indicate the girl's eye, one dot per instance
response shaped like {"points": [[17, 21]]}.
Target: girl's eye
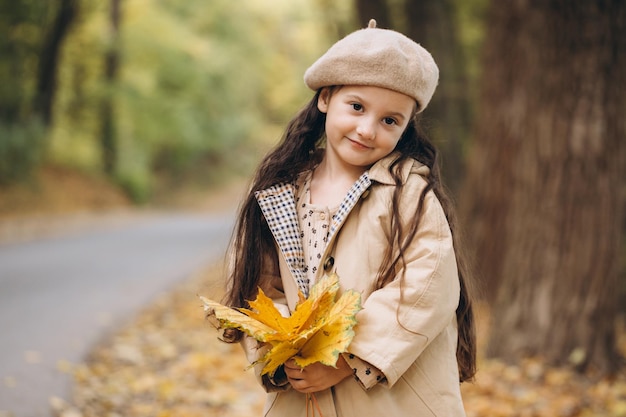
{"points": [[389, 121], [357, 106]]}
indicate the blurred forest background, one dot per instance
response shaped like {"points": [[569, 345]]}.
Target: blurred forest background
{"points": [[149, 93], [151, 96]]}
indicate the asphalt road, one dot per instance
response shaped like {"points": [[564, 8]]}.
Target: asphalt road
{"points": [[59, 296]]}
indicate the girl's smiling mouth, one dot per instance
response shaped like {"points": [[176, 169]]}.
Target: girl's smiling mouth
{"points": [[358, 144]]}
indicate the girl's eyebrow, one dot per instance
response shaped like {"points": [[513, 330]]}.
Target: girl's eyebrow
{"points": [[398, 116], [358, 98]]}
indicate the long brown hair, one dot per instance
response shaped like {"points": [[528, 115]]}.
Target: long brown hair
{"points": [[300, 150]]}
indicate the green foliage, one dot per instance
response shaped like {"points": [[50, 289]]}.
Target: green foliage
{"points": [[20, 150], [21, 31], [133, 174], [21, 136], [197, 81]]}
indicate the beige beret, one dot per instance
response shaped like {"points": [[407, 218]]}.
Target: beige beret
{"points": [[377, 57]]}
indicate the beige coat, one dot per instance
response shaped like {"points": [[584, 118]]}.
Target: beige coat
{"points": [[406, 329]]}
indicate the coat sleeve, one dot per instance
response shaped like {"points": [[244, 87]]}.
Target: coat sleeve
{"points": [[398, 321]]}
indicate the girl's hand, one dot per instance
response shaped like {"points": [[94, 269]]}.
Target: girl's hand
{"points": [[316, 377]]}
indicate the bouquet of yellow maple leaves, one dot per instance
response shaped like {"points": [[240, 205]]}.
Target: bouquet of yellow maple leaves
{"points": [[318, 330]]}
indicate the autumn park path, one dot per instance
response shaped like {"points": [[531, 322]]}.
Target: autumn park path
{"points": [[59, 296]]}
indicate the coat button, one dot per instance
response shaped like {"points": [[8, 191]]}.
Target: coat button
{"points": [[365, 194], [329, 263]]}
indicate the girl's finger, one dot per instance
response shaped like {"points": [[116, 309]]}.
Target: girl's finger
{"points": [[291, 364]]}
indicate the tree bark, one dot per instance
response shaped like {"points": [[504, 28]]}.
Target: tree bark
{"points": [[108, 139], [49, 59], [544, 195], [432, 24]]}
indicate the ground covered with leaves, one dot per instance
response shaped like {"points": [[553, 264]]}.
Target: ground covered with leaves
{"points": [[168, 362]]}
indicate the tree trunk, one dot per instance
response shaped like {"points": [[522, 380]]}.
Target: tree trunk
{"points": [[111, 65], [544, 196], [432, 24], [49, 59]]}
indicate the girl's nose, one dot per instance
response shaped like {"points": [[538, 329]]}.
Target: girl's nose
{"points": [[366, 129]]}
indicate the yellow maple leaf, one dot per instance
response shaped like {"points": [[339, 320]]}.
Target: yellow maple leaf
{"points": [[263, 310], [334, 336], [318, 330], [229, 318]]}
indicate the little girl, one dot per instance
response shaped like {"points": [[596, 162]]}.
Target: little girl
{"points": [[354, 188]]}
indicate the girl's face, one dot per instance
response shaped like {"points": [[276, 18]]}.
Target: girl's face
{"points": [[363, 123]]}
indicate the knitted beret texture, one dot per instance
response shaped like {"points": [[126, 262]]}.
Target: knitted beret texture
{"points": [[377, 57]]}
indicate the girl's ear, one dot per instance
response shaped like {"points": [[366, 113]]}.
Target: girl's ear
{"points": [[323, 100]]}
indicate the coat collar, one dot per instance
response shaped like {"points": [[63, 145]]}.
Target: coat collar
{"points": [[278, 206], [379, 172]]}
